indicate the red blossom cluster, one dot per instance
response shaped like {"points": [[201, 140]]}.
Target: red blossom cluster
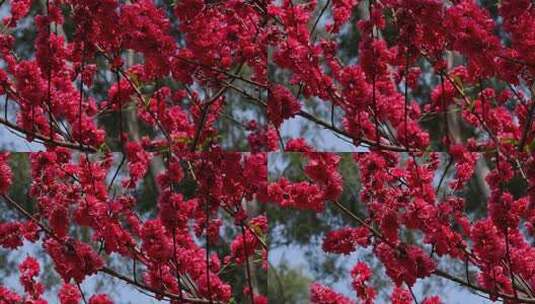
{"points": [[437, 92], [193, 56], [410, 193], [475, 55], [174, 250]]}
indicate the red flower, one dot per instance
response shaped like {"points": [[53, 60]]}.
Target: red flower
{"points": [[320, 294], [401, 296], [11, 235], [74, 259], [5, 173], [100, 299], [281, 105], [69, 294], [345, 240], [29, 269], [361, 273]]}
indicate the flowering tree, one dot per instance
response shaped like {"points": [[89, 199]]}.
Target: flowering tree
{"points": [[154, 82], [117, 92], [411, 216], [420, 76], [415, 73], [144, 64], [178, 254]]}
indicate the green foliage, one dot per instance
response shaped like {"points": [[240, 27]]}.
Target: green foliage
{"points": [[287, 285], [21, 180]]}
